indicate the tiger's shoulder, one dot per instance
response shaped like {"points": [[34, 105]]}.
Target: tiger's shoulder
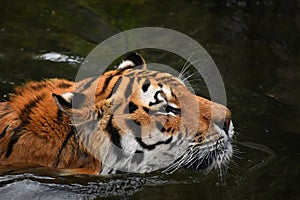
{"points": [[33, 128]]}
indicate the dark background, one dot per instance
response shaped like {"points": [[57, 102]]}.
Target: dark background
{"points": [[255, 45]]}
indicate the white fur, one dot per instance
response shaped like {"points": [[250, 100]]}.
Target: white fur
{"points": [[231, 130], [160, 157], [173, 105], [148, 96], [129, 144], [126, 63], [68, 96]]}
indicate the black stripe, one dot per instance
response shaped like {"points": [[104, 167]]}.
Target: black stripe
{"points": [[5, 109], [38, 86], [137, 123], [132, 107], [173, 95], [160, 85], [167, 80], [154, 74], [146, 85], [143, 73], [25, 117], [113, 133], [59, 115], [17, 133], [64, 85], [89, 83], [4, 132], [176, 111], [28, 107], [106, 83], [99, 114], [115, 88], [138, 79], [139, 73], [157, 101], [72, 131], [160, 127], [13, 140], [152, 146], [134, 73], [147, 110], [137, 129], [128, 90]]}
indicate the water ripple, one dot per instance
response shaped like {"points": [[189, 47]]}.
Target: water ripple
{"points": [[58, 57]]}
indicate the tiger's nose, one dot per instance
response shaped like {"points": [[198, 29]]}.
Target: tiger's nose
{"points": [[226, 125], [216, 113], [223, 118]]}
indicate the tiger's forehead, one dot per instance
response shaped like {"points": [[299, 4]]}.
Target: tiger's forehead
{"points": [[146, 83], [154, 77], [124, 82], [155, 80]]}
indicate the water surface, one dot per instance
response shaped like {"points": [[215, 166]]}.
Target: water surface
{"points": [[255, 45]]}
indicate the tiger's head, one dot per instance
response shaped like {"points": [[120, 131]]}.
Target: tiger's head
{"points": [[137, 120]]}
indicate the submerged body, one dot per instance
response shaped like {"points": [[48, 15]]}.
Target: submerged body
{"points": [[130, 119]]}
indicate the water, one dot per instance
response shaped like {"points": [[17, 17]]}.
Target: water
{"points": [[255, 45]]}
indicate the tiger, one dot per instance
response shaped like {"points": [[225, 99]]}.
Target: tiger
{"points": [[129, 119]]}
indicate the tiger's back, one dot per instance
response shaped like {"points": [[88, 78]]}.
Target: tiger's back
{"points": [[34, 130]]}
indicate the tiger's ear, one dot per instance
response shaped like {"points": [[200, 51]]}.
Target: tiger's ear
{"points": [[69, 101], [133, 60]]}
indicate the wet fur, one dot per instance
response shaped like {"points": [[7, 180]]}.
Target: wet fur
{"points": [[35, 126], [33, 129]]}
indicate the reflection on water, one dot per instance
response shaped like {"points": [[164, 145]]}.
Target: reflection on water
{"points": [[255, 44], [30, 186], [58, 57]]}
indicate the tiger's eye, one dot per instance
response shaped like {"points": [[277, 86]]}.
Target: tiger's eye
{"points": [[176, 111]]}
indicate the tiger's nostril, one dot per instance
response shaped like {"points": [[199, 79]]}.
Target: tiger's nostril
{"points": [[226, 125]]}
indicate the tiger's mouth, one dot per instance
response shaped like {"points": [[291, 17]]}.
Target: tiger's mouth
{"points": [[205, 158], [210, 155], [215, 153]]}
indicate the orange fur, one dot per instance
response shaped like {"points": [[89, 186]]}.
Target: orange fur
{"points": [[31, 116], [35, 128]]}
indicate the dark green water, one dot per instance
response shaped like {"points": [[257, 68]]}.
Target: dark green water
{"points": [[255, 45]]}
